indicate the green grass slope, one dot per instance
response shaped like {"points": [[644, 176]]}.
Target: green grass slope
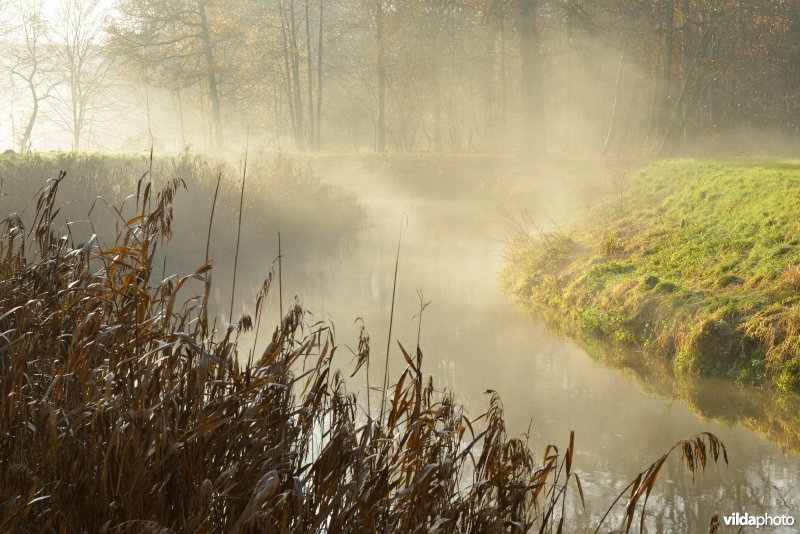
{"points": [[695, 260]]}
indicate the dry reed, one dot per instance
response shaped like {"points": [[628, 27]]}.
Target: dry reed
{"points": [[121, 411]]}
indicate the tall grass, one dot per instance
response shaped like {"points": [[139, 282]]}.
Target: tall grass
{"points": [[282, 193], [122, 410]]}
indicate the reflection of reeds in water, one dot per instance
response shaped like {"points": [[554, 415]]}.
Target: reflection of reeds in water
{"points": [[120, 410], [773, 414]]}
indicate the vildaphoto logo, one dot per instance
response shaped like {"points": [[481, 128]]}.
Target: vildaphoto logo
{"points": [[758, 521]]}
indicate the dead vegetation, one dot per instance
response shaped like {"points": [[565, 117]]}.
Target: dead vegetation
{"points": [[123, 409]]}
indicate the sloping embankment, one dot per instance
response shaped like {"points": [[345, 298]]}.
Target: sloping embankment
{"points": [[698, 261]]}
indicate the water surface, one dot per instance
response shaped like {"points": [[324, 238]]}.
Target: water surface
{"points": [[474, 339]]}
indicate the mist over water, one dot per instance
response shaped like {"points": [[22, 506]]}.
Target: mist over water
{"points": [[473, 340]]}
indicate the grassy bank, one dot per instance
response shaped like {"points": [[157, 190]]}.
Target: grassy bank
{"points": [[698, 261]]}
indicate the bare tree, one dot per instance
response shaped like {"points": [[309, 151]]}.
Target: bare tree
{"points": [[31, 66], [180, 43], [83, 66]]}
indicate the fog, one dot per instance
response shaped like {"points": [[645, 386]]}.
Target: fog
{"points": [[578, 78], [342, 124]]}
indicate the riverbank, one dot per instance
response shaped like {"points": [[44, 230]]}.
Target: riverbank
{"points": [[697, 261], [771, 414]]}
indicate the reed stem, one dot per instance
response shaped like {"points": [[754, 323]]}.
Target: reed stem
{"points": [[280, 278], [391, 317], [239, 228], [211, 220]]}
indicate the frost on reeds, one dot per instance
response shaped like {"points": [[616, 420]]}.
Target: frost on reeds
{"points": [[123, 410]]}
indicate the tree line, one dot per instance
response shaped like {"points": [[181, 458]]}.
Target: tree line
{"points": [[534, 76]]}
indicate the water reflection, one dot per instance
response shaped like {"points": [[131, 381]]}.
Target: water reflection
{"points": [[474, 340]]}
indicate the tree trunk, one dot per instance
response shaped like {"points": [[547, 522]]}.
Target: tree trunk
{"points": [[296, 84], [26, 136], [180, 115], [276, 121], [77, 124], [438, 141], [203, 111], [534, 138], [311, 127], [213, 91], [690, 92], [666, 67], [741, 15], [319, 80], [488, 93], [287, 71], [617, 90], [503, 77], [379, 37], [149, 113], [686, 30]]}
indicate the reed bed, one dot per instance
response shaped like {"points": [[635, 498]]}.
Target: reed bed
{"points": [[123, 409], [283, 193]]}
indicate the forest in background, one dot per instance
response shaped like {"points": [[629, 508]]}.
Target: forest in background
{"points": [[600, 77]]}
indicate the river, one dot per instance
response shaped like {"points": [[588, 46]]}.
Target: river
{"points": [[474, 339]]}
